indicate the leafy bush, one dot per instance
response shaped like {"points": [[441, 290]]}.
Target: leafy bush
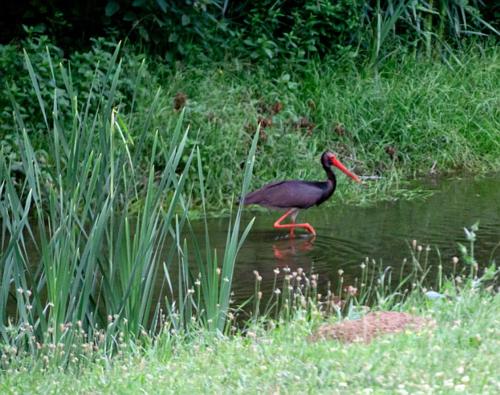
{"points": [[297, 29], [173, 29], [267, 31], [88, 74]]}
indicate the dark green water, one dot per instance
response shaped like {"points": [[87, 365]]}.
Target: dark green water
{"points": [[346, 235]]}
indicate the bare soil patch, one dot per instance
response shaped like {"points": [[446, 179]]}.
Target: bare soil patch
{"points": [[370, 326]]}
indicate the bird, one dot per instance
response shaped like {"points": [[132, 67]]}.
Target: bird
{"points": [[295, 195]]}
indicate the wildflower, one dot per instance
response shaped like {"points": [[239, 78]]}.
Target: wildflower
{"points": [[419, 248], [352, 290], [276, 271], [454, 260], [341, 272], [259, 295], [414, 244], [448, 383], [277, 291], [460, 388]]}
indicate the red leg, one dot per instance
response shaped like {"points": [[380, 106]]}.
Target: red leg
{"points": [[279, 225]]}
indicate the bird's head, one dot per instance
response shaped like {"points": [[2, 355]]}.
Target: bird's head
{"points": [[329, 159]]}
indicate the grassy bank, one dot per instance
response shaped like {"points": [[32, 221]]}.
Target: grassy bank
{"points": [[459, 355], [408, 117], [99, 180]]}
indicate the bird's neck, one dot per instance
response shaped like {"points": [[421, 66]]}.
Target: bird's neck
{"points": [[331, 179]]}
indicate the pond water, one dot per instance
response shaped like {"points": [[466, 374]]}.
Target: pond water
{"points": [[346, 235], [384, 232]]}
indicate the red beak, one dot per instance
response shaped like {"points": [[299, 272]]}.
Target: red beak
{"points": [[335, 162]]}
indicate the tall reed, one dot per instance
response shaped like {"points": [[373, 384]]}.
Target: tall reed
{"points": [[427, 25], [89, 240]]}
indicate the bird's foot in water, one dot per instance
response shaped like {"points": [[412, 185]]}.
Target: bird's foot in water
{"points": [[310, 229]]}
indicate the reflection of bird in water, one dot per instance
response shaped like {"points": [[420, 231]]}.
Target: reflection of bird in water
{"points": [[290, 248], [296, 194]]}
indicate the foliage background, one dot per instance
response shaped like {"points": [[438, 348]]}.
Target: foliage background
{"points": [[365, 78], [259, 30]]}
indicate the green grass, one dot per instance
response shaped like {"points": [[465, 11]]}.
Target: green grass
{"points": [[115, 183], [438, 117], [100, 240], [459, 355], [456, 354]]}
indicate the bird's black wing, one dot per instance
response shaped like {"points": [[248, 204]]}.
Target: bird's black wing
{"points": [[287, 194]]}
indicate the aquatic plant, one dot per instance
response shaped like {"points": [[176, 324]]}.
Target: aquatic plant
{"points": [[89, 244], [379, 287]]}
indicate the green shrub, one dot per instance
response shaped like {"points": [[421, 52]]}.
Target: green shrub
{"points": [[266, 31], [297, 29], [89, 73]]}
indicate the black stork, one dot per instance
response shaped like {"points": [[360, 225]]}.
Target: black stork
{"points": [[294, 195]]}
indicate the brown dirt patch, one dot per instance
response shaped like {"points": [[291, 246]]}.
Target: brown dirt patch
{"points": [[180, 100], [370, 326]]}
